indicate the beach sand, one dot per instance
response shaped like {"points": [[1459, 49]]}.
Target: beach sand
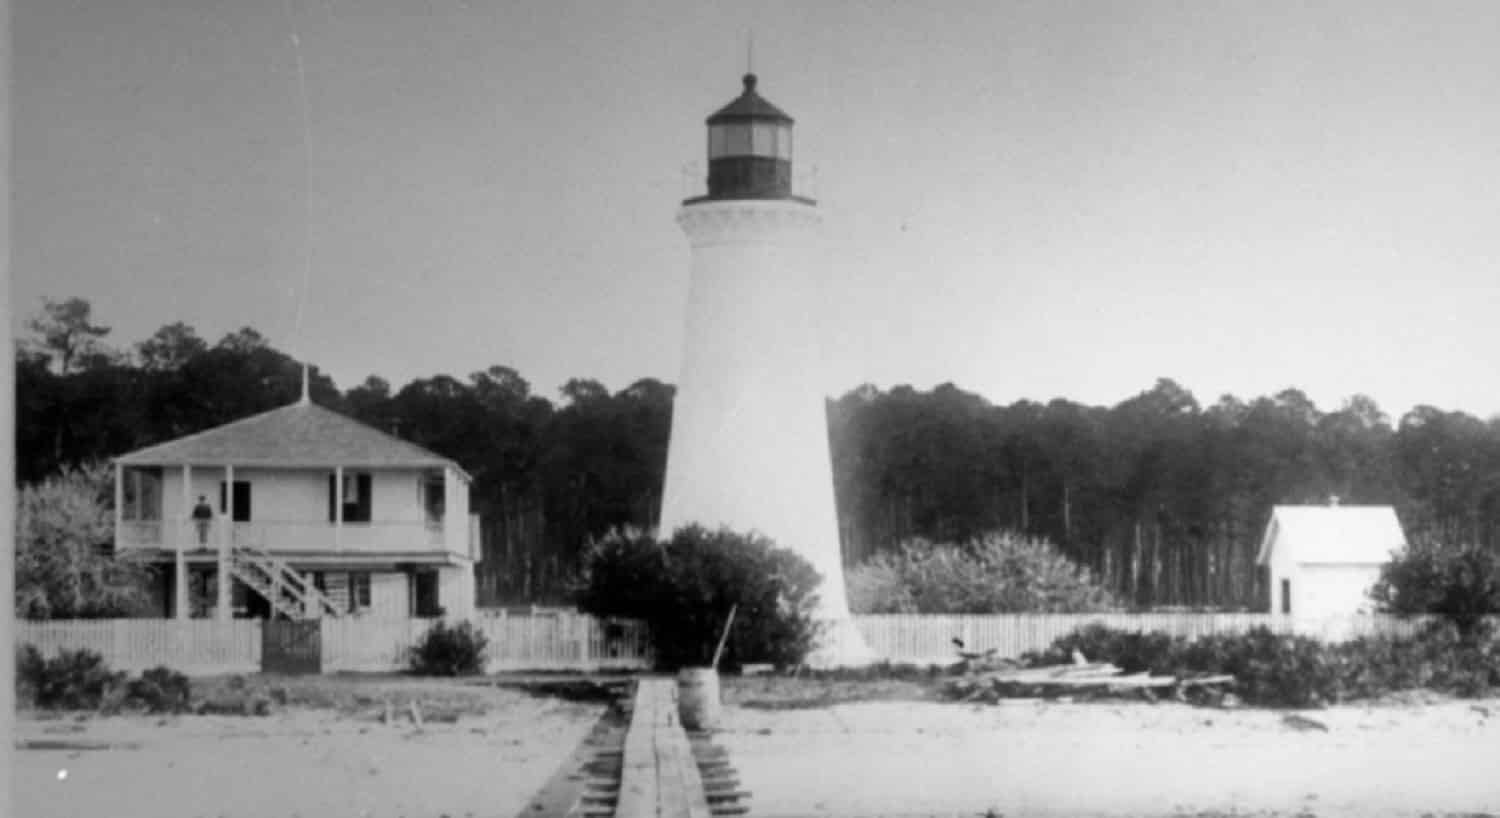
{"points": [[299, 762], [1115, 759]]}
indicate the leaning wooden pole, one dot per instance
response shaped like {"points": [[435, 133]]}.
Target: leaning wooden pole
{"points": [[724, 637]]}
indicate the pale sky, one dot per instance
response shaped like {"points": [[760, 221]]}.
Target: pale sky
{"points": [[1030, 199]]}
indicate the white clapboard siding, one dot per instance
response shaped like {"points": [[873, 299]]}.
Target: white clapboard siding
{"points": [[928, 638], [390, 596], [194, 646]]}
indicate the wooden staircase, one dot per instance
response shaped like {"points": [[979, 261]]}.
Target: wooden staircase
{"points": [[288, 592]]}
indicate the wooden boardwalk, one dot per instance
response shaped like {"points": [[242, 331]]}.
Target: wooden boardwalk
{"points": [[659, 778]]}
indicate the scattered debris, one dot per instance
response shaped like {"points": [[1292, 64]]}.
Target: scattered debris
{"points": [[1296, 721], [416, 713], [235, 703]]}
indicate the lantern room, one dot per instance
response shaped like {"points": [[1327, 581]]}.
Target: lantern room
{"points": [[749, 149]]}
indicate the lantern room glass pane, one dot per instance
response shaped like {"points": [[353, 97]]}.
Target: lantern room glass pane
{"points": [[784, 142], [763, 139], [716, 141], [736, 140]]}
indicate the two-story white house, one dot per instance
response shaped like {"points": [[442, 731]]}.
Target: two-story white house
{"points": [[299, 512]]}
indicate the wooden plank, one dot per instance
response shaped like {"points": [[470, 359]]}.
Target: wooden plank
{"points": [[659, 778]]}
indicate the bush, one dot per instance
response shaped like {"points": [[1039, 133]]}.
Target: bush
{"points": [[878, 586], [683, 588], [71, 680], [1277, 670], [1460, 583], [449, 651], [159, 690], [1000, 572], [1132, 651]]}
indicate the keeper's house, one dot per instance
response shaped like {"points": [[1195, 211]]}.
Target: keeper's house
{"points": [[1324, 560], [312, 514]]}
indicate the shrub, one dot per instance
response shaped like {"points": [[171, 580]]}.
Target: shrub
{"points": [[1279, 670], [1000, 572], [684, 587], [71, 680], [159, 690], [878, 586], [1460, 583], [1132, 651], [446, 650]]}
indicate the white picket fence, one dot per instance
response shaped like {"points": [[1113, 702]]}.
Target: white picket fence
{"points": [[541, 643], [203, 646], [928, 638], [568, 641], [194, 646]]}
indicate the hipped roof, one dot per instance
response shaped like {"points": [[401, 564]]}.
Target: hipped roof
{"points": [[302, 434], [749, 106], [1333, 534]]}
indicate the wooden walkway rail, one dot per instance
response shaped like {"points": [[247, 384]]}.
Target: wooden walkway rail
{"points": [[659, 778]]}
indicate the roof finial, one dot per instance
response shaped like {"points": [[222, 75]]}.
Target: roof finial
{"points": [[306, 391]]}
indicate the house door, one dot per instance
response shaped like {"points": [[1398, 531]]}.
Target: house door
{"points": [[291, 646], [241, 500]]}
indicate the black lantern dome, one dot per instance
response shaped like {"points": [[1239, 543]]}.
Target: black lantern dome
{"points": [[749, 149]]}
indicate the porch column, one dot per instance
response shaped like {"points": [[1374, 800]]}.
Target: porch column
{"points": [[338, 508], [179, 533], [223, 612], [451, 530], [120, 501]]}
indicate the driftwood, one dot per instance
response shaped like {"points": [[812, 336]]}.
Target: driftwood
{"points": [[1004, 682]]}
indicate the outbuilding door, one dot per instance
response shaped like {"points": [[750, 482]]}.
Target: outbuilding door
{"points": [[291, 646]]}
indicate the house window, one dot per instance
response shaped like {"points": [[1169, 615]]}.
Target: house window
{"points": [[355, 495], [1286, 596], [241, 500], [359, 591], [425, 595], [432, 499], [142, 490]]}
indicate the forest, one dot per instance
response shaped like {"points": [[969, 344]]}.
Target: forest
{"points": [[1164, 497]]}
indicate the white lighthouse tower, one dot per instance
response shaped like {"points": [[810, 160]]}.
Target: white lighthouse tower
{"points": [[749, 444]]}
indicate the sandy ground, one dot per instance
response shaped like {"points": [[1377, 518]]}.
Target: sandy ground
{"points": [[300, 762], [1025, 758]]}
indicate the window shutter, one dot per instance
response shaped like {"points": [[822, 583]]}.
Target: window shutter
{"points": [[223, 498], [333, 497]]}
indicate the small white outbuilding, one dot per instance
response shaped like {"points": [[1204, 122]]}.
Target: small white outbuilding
{"points": [[1324, 560]]}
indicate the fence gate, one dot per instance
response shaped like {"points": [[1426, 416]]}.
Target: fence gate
{"points": [[291, 646]]}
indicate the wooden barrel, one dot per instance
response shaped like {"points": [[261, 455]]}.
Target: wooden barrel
{"points": [[698, 697]]}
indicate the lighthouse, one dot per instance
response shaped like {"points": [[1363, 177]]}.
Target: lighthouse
{"points": [[749, 439]]}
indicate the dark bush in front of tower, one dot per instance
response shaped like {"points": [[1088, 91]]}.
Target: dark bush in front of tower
{"points": [[684, 587]]}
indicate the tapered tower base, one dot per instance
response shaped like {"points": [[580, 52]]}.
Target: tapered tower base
{"points": [[749, 442]]}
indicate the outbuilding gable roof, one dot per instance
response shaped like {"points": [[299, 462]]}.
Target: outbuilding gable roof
{"points": [[302, 434], [1333, 534]]}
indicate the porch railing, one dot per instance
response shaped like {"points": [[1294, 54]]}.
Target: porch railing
{"points": [[287, 535]]}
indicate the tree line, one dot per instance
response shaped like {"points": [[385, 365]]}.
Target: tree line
{"points": [[1165, 499]]}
